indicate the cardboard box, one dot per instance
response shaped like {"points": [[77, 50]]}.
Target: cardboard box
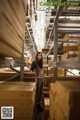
{"points": [[52, 99], [73, 114], [17, 83], [59, 115], [23, 113], [53, 88], [22, 92], [52, 113], [64, 56], [68, 98], [21, 97], [68, 93], [66, 103], [17, 104], [20, 118]]}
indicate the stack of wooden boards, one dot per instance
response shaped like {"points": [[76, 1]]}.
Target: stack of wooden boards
{"points": [[65, 100], [12, 23], [20, 95]]}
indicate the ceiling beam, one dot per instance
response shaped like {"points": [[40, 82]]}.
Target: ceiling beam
{"points": [[68, 31], [69, 25], [67, 12]]}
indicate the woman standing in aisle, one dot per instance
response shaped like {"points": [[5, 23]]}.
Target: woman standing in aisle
{"points": [[37, 67]]}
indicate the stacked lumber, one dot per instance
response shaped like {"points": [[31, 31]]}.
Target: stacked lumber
{"points": [[12, 24]]}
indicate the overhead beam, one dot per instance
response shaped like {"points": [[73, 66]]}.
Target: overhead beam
{"points": [[67, 12], [68, 31], [69, 25]]}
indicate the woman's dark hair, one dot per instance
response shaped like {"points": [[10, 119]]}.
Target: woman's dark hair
{"points": [[39, 62]]}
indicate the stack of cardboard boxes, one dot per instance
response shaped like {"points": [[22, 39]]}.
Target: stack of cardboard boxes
{"points": [[64, 100], [21, 96]]}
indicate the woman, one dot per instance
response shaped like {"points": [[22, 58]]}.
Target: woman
{"points": [[37, 67]]}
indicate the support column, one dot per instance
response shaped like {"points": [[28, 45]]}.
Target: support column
{"points": [[47, 66], [22, 64], [32, 53], [55, 51], [64, 72]]}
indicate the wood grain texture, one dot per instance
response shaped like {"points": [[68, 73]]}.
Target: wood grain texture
{"points": [[12, 27]]}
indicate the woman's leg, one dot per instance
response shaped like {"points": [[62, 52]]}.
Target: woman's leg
{"points": [[39, 91]]}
